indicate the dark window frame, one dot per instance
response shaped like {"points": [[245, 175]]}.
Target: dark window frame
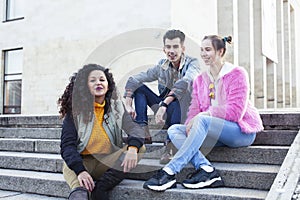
{"points": [[11, 106], [4, 82], [6, 14]]}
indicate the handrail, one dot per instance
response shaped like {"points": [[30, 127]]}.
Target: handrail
{"points": [[288, 176]]}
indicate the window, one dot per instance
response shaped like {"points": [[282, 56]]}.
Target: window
{"points": [[14, 9], [13, 63]]}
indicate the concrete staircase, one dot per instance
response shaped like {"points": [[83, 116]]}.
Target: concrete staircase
{"points": [[30, 161]]}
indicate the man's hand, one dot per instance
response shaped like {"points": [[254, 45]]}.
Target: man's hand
{"points": [[130, 160], [86, 181], [129, 108], [162, 109], [160, 114]]}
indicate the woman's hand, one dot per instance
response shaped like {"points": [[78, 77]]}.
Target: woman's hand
{"points": [[86, 181], [190, 124], [130, 160]]}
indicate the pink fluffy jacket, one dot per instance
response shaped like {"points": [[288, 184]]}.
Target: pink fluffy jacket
{"points": [[232, 97]]}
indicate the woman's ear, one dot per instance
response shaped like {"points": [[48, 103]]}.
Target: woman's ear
{"points": [[221, 52]]}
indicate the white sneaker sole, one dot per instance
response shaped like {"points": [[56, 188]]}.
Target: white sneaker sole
{"points": [[201, 184], [162, 187]]}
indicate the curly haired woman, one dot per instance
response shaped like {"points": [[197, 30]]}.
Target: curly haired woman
{"points": [[95, 159]]}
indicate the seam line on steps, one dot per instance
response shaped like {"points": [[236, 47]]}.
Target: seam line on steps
{"points": [[12, 195]]}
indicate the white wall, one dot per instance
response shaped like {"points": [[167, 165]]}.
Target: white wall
{"points": [[196, 18], [58, 37], [296, 6]]}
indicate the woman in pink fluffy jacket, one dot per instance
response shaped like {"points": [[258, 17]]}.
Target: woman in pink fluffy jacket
{"points": [[220, 114]]}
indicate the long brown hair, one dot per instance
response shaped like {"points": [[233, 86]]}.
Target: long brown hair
{"points": [[77, 98]]}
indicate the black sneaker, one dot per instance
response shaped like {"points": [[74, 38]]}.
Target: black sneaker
{"points": [[202, 179], [161, 181]]}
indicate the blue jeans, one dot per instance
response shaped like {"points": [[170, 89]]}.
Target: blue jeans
{"points": [[206, 132], [144, 97]]}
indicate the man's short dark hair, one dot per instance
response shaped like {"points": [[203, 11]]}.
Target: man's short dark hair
{"points": [[172, 34]]}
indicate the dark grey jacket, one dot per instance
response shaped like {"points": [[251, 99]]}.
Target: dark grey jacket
{"points": [[163, 73]]}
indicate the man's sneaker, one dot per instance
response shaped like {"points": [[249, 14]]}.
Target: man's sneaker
{"points": [[202, 179], [148, 138], [166, 158], [161, 181], [169, 153]]}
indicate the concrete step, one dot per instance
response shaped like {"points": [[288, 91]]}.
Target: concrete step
{"points": [[30, 121], [30, 145], [273, 155], [253, 154], [54, 185], [39, 133], [31, 161], [49, 127], [9, 195], [245, 174], [133, 190], [251, 176], [266, 137], [271, 120], [44, 183], [281, 120], [275, 137]]}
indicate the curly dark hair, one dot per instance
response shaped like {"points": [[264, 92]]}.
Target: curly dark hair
{"points": [[77, 98]]}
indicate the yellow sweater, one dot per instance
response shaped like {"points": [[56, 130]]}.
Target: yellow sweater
{"points": [[99, 142]]}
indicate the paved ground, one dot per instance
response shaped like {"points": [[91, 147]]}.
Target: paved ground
{"points": [[8, 195], [296, 195]]}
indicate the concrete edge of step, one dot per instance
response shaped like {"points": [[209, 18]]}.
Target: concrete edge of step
{"points": [[271, 119], [286, 182], [6, 194], [133, 189]]}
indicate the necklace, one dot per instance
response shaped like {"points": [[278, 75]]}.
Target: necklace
{"points": [[211, 86]]}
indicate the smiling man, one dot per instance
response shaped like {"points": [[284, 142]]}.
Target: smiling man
{"points": [[175, 75]]}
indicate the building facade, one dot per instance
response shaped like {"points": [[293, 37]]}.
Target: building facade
{"points": [[43, 42]]}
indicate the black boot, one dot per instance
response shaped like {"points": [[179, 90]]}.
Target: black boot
{"points": [[106, 182], [79, 193]]}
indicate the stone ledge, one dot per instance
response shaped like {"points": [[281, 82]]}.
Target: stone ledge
{"points": [[51, 184], [30, 145], [9, 195], [34, 133], [133, 190], [287, 178], [252, 176]]}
